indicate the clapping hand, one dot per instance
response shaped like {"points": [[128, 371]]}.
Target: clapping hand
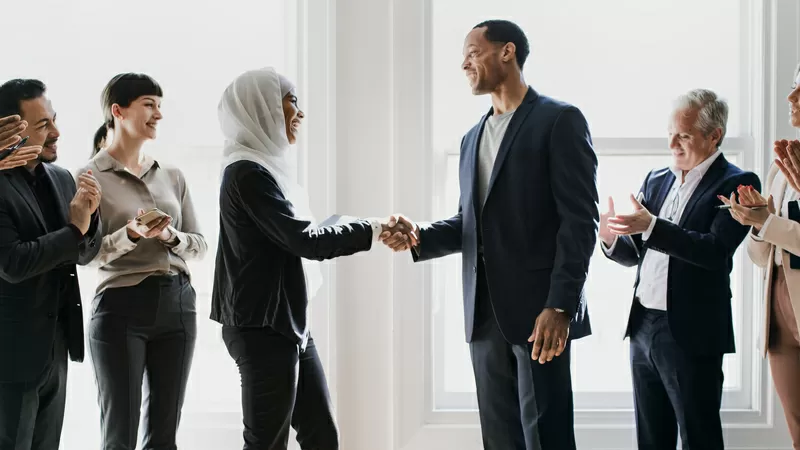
{"points": [[628, 224], [399, 233], [788, 160], [748, 210]]}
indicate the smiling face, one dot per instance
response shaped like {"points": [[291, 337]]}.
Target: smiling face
{"points": [[293, 117], [485, 62], [42, 130], [140, 119], [689, 145], [794, 100]]}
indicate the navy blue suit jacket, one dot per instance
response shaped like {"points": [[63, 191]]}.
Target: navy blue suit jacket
{"points": [[701, 248], [539, 223]]}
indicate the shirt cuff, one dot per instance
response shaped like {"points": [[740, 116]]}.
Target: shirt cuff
{"points": [[646, 234], [761, 233], [175, 242], [377, 228], [120, 240], [609, 250]]}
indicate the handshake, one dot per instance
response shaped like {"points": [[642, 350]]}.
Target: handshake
{"points": [[399, 233]]}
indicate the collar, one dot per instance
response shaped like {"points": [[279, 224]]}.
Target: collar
{"points": [[699, 170], [105, 162], [37, 174]]}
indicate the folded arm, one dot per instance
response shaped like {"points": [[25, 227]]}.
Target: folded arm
{"points": [[712, 250], [21, 260]]}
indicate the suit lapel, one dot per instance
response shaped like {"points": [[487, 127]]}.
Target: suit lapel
{"points": [[661, 195], [58, 194], [716, 170], [24, 190], [511, 132], [781, 192], [474, 148]]}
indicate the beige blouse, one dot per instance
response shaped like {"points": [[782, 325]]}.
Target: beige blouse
{"points": [[122, 262]]}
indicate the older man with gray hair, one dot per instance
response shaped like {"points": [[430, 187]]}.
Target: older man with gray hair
{"points": [[682, 244]]}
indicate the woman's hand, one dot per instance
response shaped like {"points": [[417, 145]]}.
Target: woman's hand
{"points": [[746, 212], [788, 160], [155, 229]]}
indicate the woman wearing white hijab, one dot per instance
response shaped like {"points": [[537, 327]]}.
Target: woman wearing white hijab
{"points": [[264, 279]]}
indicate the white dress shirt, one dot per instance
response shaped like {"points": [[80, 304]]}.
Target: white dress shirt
{"points": [[652, 288]]}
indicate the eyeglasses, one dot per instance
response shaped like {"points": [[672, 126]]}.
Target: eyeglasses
{"points": [[672, 208]]}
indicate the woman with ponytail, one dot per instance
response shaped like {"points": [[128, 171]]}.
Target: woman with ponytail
{"points": [[143, 315]]}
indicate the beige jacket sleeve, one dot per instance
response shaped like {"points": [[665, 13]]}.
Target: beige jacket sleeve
{"points": [[757, 248]]}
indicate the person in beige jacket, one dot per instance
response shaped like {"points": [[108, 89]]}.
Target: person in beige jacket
{"points": [[774, 244]]}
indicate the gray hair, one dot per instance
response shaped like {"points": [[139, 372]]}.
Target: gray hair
{"points": [[712, 111]]}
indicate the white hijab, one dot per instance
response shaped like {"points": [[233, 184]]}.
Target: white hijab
{"points": [[252, 121]]}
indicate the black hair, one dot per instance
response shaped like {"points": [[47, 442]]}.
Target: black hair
{"points": [[14, 92], [122, 90], [503, 32]]}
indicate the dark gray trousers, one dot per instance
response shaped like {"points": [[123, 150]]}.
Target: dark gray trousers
{"points": [[523, 405], [144, 334], [282, 387], [32, 414]]}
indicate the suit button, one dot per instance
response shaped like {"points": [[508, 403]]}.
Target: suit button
{"points": [[474, 269], [51, 315], [72, 274]]}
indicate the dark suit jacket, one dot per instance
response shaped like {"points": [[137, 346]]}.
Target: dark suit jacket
{"points": [[538, 225], [34, 264], [259, 279], [701, 248]]}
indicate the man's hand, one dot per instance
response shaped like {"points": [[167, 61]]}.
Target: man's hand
{"points": [[89, 191], [605, 233], [10, 128], [20, 157], [628, 224], [399, 233], [788, 160], [155, 229], [549, 337]]}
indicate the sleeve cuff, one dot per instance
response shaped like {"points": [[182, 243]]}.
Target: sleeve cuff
{"points": [[376, 228], [78, 235], [646, 234], [763, 231], [120, 240], [609, 250]]}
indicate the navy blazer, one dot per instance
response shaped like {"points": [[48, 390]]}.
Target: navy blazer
{"points": [[33, 265], [701, 248], [539, 222]]}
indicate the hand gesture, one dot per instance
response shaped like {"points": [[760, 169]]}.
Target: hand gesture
{"points": [[155, 229], [89, 191], [20, 157], [744, 210], [399, 233], [788, 161], [605, 233], [627, 224], [10, 128], [549, 337]]}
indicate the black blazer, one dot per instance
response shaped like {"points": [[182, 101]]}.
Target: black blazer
{"points": [[33, 264], [539, 222], [701, 248], [259, 279]]}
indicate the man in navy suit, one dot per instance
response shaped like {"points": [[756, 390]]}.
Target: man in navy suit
{"points": [[526, 227], [680, 322]]}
